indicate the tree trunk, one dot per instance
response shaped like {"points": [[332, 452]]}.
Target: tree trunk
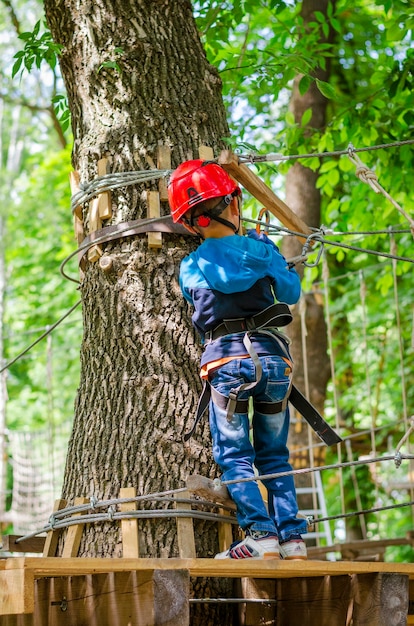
{"points": [[137, 78], [304, 199]]}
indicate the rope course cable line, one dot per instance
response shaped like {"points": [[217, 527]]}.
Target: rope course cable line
{"points": [[42, 336], [115, 180], [57, 519], [255, 158], [368, 176]]}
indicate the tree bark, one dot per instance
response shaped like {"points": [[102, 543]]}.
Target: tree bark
{"points": [[139, 357]]}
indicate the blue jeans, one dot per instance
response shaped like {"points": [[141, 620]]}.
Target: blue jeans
{"points": [[236, 455]]}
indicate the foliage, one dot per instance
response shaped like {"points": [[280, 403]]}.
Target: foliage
{"points": [[37, 296], [37, 48], [260, 48]]}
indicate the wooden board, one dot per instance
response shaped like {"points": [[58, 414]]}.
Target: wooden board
{"points": [[129, 527], [55, 566], [33, 544], [185, 530], [263, 193], [16, 591]]}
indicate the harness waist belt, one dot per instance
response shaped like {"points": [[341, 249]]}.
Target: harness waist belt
{"points": [[275, 315], [295, 397]]}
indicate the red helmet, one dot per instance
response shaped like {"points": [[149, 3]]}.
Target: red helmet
{"points": [[196, 181]]}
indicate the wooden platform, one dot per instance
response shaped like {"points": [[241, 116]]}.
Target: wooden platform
{"points": [[64, 591], [133, 591]]}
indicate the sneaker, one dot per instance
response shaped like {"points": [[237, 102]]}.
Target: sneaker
{"points": [[256, 545], [293, 548]]}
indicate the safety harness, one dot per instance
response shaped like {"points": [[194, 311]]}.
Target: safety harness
{"points": [[266, 323]]}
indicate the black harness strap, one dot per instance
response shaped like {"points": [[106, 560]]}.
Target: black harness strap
{"points": [[295, 397], [275, 315]]}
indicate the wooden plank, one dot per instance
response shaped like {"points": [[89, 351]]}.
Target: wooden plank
{"points": [[50, 545], [125, 598], [263, 193], [358, 546], [253, 614], [323, 601], [206, 153], [54, 566], [95, 223], [74, 181], [225, 532], [206, 488], [129, 527], [163, 163], [74, 534], [185, 530], [153, 201], [9, 543], [16, 592], [171, 598], [104, 198], [380, 599]]}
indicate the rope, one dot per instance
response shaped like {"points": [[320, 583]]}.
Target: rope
{"points": [[251, 158], [325, 276], [45, 334], [364, 512], [304, 334], [307, 470], [368, 176], [113, 181], [56, 520], [398, 456]]}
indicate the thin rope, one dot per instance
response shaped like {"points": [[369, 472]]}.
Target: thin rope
{"points": [[357, 493], [89, 190], [45, 334], [307, 470], [401, 353], [400, 337], [362, 294], [368, 176], [304, 334], [325, 276], [254, 158], [364, 512], [112, 514]]}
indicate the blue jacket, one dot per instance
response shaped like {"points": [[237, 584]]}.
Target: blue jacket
{"points": [[233, 277]]}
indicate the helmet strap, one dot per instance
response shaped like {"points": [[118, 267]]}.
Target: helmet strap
{"points": [[215, 212]]}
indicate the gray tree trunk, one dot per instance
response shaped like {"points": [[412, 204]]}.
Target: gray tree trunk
{"points": [[139, 357]]}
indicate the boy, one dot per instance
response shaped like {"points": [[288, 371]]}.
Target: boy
{"points": [[233, 282]]}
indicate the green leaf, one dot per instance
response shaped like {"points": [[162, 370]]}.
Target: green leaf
{"points": [[326, 89], [306, 117], [304, 84]]}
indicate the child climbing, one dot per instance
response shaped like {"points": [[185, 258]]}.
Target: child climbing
{"points": [[240, 287]]}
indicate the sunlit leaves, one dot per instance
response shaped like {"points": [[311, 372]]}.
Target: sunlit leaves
{"points": [[37, 48]]}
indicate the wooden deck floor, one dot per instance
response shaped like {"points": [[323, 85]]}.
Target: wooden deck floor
{"points": [[38, 590]]}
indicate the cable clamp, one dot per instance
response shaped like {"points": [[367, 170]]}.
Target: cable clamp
{"points": [[111, 512], [93, 501], [398, 459], [217, 484], [52, 521]]}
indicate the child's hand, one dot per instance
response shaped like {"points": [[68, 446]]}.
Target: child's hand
{"points": [[262, 237]]}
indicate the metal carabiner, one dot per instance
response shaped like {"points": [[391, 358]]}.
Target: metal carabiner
{"points": [[263, 213], [305, 250]]}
